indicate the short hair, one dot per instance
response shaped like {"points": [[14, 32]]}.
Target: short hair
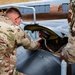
{"points": [[13, 9]]}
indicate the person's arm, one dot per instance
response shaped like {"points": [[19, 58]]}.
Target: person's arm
{"points": [[68, 52], [28, 44], [23, 38]]}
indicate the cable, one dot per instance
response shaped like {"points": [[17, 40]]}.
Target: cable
{"points": [[47, 46]]}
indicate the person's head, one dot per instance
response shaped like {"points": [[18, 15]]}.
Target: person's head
{"points": [[14, 14]]}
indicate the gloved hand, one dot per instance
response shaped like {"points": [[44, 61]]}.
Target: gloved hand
{"points": [[38, 42], [63, 56]]}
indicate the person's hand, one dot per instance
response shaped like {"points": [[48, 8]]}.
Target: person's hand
{"points": [[38, 42], [63, 56]]}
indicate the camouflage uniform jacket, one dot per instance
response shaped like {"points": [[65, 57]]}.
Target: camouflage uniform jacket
{"points": [[11, 35], [69, 50]]}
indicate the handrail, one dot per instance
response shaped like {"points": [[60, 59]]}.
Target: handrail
{"points": [[63, 67], [34, 11]]}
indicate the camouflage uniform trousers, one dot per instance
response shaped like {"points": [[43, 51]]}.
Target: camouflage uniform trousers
{"points": [[7, 64]]}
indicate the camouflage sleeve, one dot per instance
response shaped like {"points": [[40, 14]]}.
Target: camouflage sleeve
{"points": [[23, 38], [69, 50]]}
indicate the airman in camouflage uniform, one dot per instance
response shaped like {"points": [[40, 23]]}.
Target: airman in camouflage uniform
{"points": [[11, 35], [68, 51]]}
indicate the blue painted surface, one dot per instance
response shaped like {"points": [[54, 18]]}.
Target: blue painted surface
{"points": [[40, 62], [55, 2], [58, 26], [43, 6], [39, 9]]}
